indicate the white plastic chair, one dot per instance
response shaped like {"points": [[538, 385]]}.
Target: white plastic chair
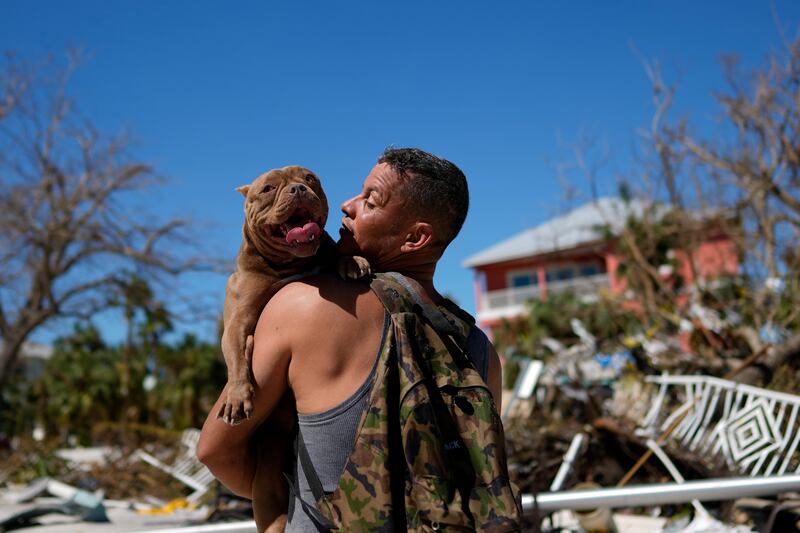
{"points": [[186, 468]]}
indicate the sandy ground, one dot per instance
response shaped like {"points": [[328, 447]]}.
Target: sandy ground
{"points": [[122, 521], [128, 521]]}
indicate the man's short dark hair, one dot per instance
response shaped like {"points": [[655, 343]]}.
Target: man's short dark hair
{"points": [[436, 189]]}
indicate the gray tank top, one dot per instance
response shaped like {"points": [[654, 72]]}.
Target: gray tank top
{"points": [[329, 436]]}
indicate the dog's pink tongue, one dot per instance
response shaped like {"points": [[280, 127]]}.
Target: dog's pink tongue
{"points": [[307, 233]]}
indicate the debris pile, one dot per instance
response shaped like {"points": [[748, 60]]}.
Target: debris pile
{"points": [[591, 410], [136, 479]]}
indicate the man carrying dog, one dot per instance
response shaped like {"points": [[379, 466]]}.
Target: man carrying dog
{"points": [[319, 337]]}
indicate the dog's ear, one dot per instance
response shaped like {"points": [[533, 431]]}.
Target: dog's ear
{"points": [[243, 189]]}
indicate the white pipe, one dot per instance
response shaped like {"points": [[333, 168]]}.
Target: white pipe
{"points": [[642, 495], [663, 493], [61, 490], [529, 373], [673, 470], [566, 463], [228, 527], [531, 377]]}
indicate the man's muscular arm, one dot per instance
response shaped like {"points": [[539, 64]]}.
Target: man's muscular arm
{"points": [[227, 450]]}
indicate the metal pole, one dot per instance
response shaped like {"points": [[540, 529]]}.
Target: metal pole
{"points": [[662, 493], [642, 495], [229, 527]]}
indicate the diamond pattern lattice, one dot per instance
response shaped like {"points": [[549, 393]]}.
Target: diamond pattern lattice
{"points": [[754, 430], [750, 434]]}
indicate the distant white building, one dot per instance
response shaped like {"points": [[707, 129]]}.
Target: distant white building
{"points": [[33, 356]]}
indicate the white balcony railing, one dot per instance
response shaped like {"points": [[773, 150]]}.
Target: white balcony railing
{"points": [[513, 299]]}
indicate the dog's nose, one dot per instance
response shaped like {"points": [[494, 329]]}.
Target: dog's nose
{"points": [[297, 188]]}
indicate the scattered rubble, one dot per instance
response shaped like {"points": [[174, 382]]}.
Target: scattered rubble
{"points": [[111, 482], [588, 411], [600, 391]]}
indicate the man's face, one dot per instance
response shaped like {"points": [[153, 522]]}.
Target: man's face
{"points": [[374, 222]]}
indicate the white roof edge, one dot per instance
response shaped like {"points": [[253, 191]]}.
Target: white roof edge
{"points": [[475, 260], [572, 229]]}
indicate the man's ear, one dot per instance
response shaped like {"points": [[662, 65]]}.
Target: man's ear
{"points": [[419, 236], [243, 189]]}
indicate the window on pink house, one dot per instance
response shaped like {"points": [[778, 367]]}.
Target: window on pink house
{"points": [[589, 270], [524, 280], [560, 274]]}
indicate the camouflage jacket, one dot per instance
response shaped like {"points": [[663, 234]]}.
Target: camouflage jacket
{"points": [[429, 452]]}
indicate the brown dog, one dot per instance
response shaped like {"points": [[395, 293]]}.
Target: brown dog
{"points": [[283, 239], [285, 211]]}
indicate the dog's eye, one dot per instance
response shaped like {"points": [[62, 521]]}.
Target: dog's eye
{"points": [[310, 178], [268, 188]]}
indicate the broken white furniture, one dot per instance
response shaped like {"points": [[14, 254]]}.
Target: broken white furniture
{"points": [[753, 430], [186, 468]]}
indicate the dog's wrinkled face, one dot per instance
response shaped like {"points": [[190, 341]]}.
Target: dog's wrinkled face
{"points": [[285, 212]]}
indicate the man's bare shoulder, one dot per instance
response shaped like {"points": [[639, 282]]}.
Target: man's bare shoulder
{"points": [[314, 296]]}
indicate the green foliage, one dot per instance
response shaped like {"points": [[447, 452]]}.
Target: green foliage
{"points": [[17, 404], [87, 382], [511, 370], [787, 312], [193, 374], [777, 308], [651, 241], [605, 318], [80, 384]]}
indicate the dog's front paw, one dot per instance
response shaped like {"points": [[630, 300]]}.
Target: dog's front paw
{"points": [[238, 404], [353, 267]]}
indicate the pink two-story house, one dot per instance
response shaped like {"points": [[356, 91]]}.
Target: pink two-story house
{"points": [[569, 253]]}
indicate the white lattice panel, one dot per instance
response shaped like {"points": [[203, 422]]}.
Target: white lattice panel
{"points": [[751, 430]]}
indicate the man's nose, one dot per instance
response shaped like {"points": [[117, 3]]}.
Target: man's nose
{"points": [[296, 188], [347, 207]]}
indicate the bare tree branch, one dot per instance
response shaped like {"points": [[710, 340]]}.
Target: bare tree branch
{"points": [[61, 210]]}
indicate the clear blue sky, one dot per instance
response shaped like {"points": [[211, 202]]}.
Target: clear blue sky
{"points": [[217, 92]]}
